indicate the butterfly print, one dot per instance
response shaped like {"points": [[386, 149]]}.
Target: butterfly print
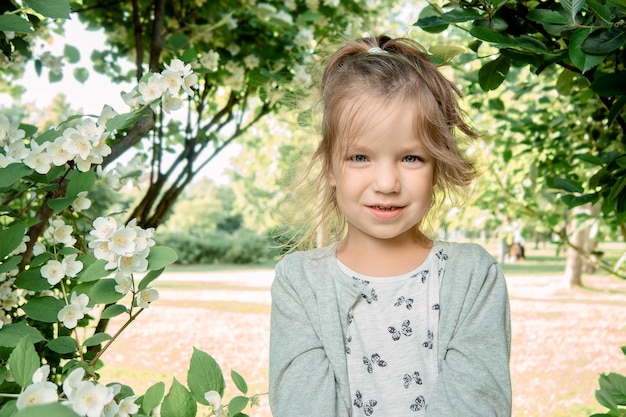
{"points": [[420, 403], [368, 407], [435, 306], [405, 330], [350, 317], [408, 379], [421, 274], [429, 343], [441, 255], [371, 297], [375, 361], [347, 341], [408, 302]]}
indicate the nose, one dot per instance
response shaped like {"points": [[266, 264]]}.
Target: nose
{"points": [[386, 179]]}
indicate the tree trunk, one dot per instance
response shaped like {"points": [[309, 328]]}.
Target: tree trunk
{"points": [[579, 241]]}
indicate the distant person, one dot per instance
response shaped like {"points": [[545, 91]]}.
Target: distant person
{"points": [[386, 321]]}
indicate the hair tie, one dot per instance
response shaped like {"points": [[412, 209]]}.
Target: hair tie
{"points": [[376, 50]]}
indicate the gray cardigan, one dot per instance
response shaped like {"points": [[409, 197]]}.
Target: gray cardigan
{"points": [[308, 374]]}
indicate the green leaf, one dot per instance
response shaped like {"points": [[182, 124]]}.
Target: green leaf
{"points": [[572, 7], [44, 309], [446, 53], [23, 362], [80, 181], [567, 185], [12, 333], [11, 237], [237, 405], [604, 41], [160, 257], [178, 41], [123, 121], [204, 375], [614, 386], [239, 381], [60, 204], [103, 292], [10, 263], [96, 339], [150, 276], [459, 15], [48, 410], [489, 35], [94, 269], [8, 409], [571, 200], [113, 311], [57, 9], [430, 20], [32, 280], [493, 73], [565, 82], [63, 344], [547, 17], [610, 84], [582, 60], [594, 160], [71, 54], [13, 23], [178, 402], [81, 74], [153, 397], [11, 174]]}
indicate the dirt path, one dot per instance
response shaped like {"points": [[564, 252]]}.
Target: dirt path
{"points": [[562, 340]]}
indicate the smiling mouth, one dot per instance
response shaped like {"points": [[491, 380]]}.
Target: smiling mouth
{"points": [[386, 208]]}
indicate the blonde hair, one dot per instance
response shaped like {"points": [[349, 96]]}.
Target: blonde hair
{"points": [[385, 68]]}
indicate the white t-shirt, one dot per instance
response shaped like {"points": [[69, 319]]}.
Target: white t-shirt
{"points": [[391, 340]]}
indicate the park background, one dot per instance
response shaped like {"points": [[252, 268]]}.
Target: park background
{"points": [[543, 81]]}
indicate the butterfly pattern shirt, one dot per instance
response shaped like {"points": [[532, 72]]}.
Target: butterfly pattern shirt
{"points": [[391, 340]]}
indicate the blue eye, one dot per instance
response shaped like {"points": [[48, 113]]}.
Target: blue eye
{"points": [[413, 158], [358, 158]]}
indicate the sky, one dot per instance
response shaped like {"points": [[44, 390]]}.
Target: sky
{"points": [[97, 91]]}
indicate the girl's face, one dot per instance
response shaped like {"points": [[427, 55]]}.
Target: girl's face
{"points": [[383, 176]]}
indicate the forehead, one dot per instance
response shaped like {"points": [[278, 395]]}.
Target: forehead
{"points": [[369, 118]]}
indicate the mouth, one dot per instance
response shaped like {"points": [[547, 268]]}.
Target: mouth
{"points": [[385, 208]]}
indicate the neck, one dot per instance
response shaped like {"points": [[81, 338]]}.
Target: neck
{"points": [[384, 257]]}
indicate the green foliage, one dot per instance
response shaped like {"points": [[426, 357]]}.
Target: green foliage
{"points": [[612, 393], [240, 247]]}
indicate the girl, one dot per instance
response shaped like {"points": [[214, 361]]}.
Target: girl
{"points": [[385, 321]]}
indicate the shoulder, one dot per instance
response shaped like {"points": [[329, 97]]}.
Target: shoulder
{"points": [[308, 268], [467, 254]]}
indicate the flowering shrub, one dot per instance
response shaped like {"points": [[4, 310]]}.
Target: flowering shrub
{"points": [[58, 276]]}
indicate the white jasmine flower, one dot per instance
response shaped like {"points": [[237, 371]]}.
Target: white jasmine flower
{"points": [[106, 114], [72, 382], [170, 102], [251, 61], [90, 398], [147, 296], [17, 150], [302, 77], [232, 24], [234, 49], [82, 202], [210, 60], [152, 89], [104, 227], [331, 3], [76, 144], [214, 399], [39, 393], [58, 153], [38, 158], [127, 406], [284, 16], [124, 283], [188, 82], [111, 409], [132, 98], [39, 248], [81, 301], [177, 66], [101, 249], [173, 81], [304, 38], [71, 266], [131, 264], [59, 232], [53, 272], [123, 241], [70, 314]]}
